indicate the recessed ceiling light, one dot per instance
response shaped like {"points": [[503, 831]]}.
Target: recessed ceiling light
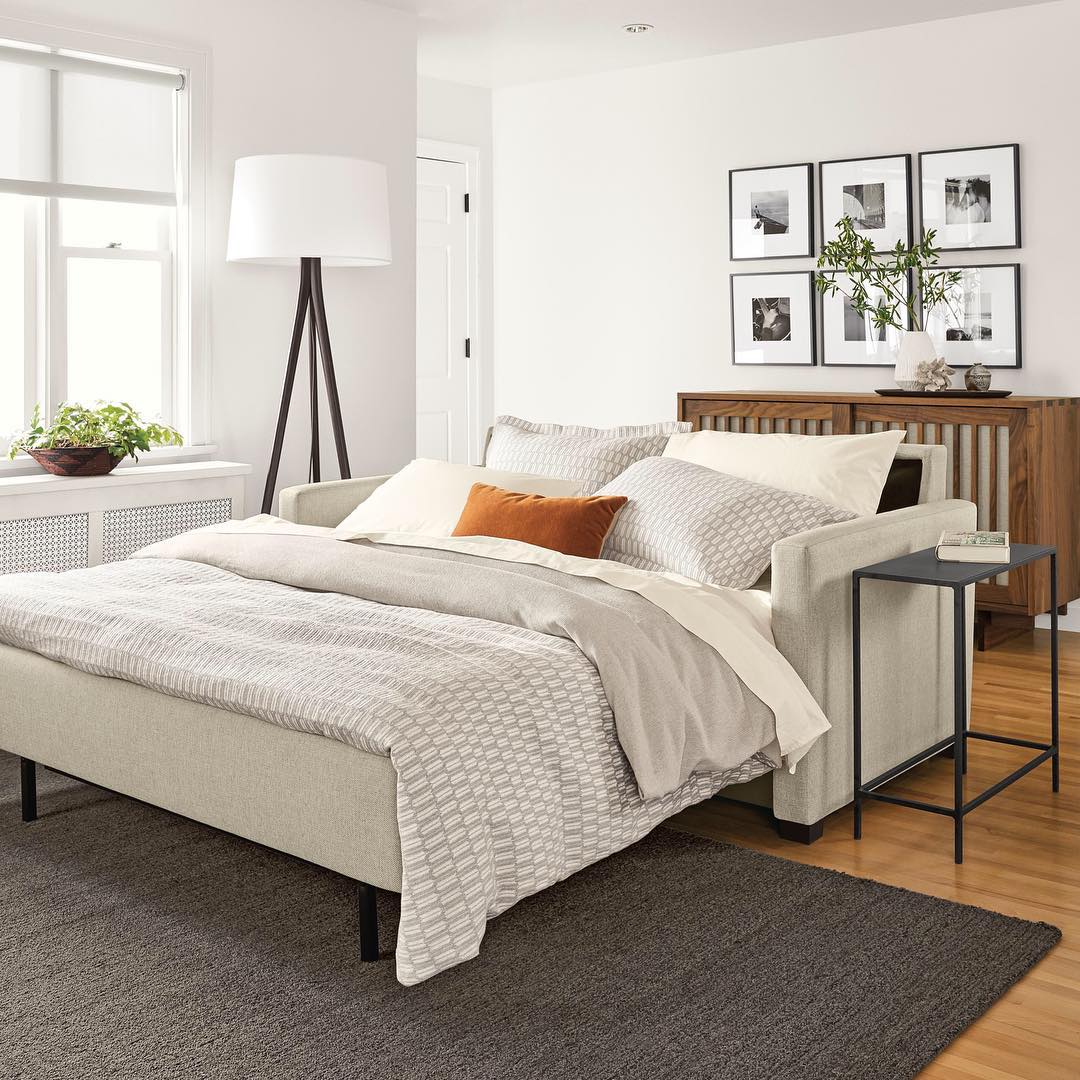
{"points": [[638, 27]]}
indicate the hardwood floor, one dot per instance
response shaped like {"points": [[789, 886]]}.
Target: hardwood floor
{"points": [[1022, 857]]}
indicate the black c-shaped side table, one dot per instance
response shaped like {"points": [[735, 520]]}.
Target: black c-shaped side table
{"points": [[923, 568]]}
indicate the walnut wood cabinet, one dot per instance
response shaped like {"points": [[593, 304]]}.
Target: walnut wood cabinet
{"points": [[1016, 458]]}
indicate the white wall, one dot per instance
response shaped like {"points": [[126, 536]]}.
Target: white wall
{"points": [[611, 237], [457, 113], [322, 76]]}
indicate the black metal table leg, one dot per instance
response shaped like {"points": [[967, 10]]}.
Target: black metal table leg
{"points": [[1055, 763], [959, 720], [28, 781], [369, 921], [856, 697]]}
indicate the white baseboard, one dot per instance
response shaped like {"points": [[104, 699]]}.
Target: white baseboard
{"points": [[1065, 622]]}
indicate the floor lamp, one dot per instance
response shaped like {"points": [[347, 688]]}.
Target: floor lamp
{"points": [[313, 210]]}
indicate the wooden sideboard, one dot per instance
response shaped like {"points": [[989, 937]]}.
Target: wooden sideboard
{"points": [[1016, 458]]}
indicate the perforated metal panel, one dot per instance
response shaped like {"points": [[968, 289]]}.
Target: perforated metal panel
{"points": [[44, 543], [123, 532]]}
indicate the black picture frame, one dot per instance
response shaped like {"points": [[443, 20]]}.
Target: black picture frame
{"points": [[909, 207], [1017, 315], [812, 308], [1016, 205], [809, 252], [823, 344]]}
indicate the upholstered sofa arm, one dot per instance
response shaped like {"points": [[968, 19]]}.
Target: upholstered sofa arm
{"points": [[328, 503], [906, 648]]}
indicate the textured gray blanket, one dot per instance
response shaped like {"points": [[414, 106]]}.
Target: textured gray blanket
{"points": [[489, 684], [673, 696]]}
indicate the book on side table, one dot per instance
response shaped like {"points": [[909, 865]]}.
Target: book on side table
{"points": [[976, 547]]}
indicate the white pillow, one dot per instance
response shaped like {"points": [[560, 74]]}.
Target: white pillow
{"points": [[427, 497], [842, 470]]}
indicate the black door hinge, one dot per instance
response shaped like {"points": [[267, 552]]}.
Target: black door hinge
{"points": [[466, 202], [468, 348]]}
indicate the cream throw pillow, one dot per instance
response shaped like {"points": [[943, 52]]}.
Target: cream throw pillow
{"points": [[427, 497], [843, 470]]}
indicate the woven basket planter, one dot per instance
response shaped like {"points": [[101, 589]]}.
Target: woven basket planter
{"points": [[76, 460]]}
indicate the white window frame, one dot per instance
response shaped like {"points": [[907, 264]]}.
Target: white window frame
{"points": [[187, 393]]}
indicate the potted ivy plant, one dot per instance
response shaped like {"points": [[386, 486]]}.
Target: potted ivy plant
{"points": [[83, 441], [878, 289]]}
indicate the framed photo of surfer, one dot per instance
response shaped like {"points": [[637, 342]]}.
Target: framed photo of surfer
{"points": [[771, 212], [874, 192], [972, 197], [772, 319]]}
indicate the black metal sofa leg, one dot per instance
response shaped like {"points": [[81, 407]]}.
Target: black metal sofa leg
{"points": [[798, 832], [28, 776], [369, 921]]}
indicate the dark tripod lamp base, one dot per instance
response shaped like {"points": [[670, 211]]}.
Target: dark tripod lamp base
{"points": [[310, 312]]}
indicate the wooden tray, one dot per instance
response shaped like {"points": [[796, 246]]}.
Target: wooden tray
{"points": [[943, 393]]}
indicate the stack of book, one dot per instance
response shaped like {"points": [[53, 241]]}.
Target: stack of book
{"points": [[978, 547]]}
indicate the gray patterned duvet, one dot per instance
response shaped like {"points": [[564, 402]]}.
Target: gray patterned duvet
{"points": [[489, 684]]}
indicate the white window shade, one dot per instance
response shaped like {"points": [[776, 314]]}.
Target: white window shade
{"points": [[115, 133], [75, 127], [24, 122]]}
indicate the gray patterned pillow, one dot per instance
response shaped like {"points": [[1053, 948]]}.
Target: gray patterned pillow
{"points": [[705, 524], [591, 456]]}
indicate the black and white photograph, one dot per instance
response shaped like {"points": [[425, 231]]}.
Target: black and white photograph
{"points": [[875, 193], [865, 205], [967, 200], [773, 319], [975, 316], [849, 339], [979, 320], [971, 198], [860, 327], [771, 213]]}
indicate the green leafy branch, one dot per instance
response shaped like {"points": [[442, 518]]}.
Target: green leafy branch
{"points": [[886, 273], [114, 424]]}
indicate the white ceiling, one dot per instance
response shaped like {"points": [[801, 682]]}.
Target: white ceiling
{"points": [[503, 42]]}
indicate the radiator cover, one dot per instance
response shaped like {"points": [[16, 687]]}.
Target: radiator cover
{"points": [[123, 532], [54, 543], [53, 524]]}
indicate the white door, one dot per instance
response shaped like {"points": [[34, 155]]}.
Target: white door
{"points": [[443, 423]]}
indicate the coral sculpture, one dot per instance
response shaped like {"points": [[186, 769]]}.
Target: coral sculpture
{"points": [[933, 375]]}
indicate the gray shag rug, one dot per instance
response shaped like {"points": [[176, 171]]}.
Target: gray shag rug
{"points": [[137, 945]]}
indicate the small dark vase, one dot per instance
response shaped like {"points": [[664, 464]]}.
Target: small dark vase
{"points": [[977, 378], [76, 460]]}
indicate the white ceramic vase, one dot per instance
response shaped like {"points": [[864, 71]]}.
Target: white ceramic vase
{"points": [[916, 346]]}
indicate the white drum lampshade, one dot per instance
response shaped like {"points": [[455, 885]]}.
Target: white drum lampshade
{"points": [[287, 207]]}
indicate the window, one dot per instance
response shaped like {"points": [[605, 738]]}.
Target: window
{"points": [[94, 259]]}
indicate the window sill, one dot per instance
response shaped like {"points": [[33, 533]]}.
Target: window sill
{"points": [[42, 482], [163, 455]]}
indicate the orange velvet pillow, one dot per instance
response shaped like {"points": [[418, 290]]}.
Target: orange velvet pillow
{"points": [[572, 526]]}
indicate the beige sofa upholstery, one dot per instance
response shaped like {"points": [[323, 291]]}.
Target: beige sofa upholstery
{"points": [[307, 795], [906, 629]]}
